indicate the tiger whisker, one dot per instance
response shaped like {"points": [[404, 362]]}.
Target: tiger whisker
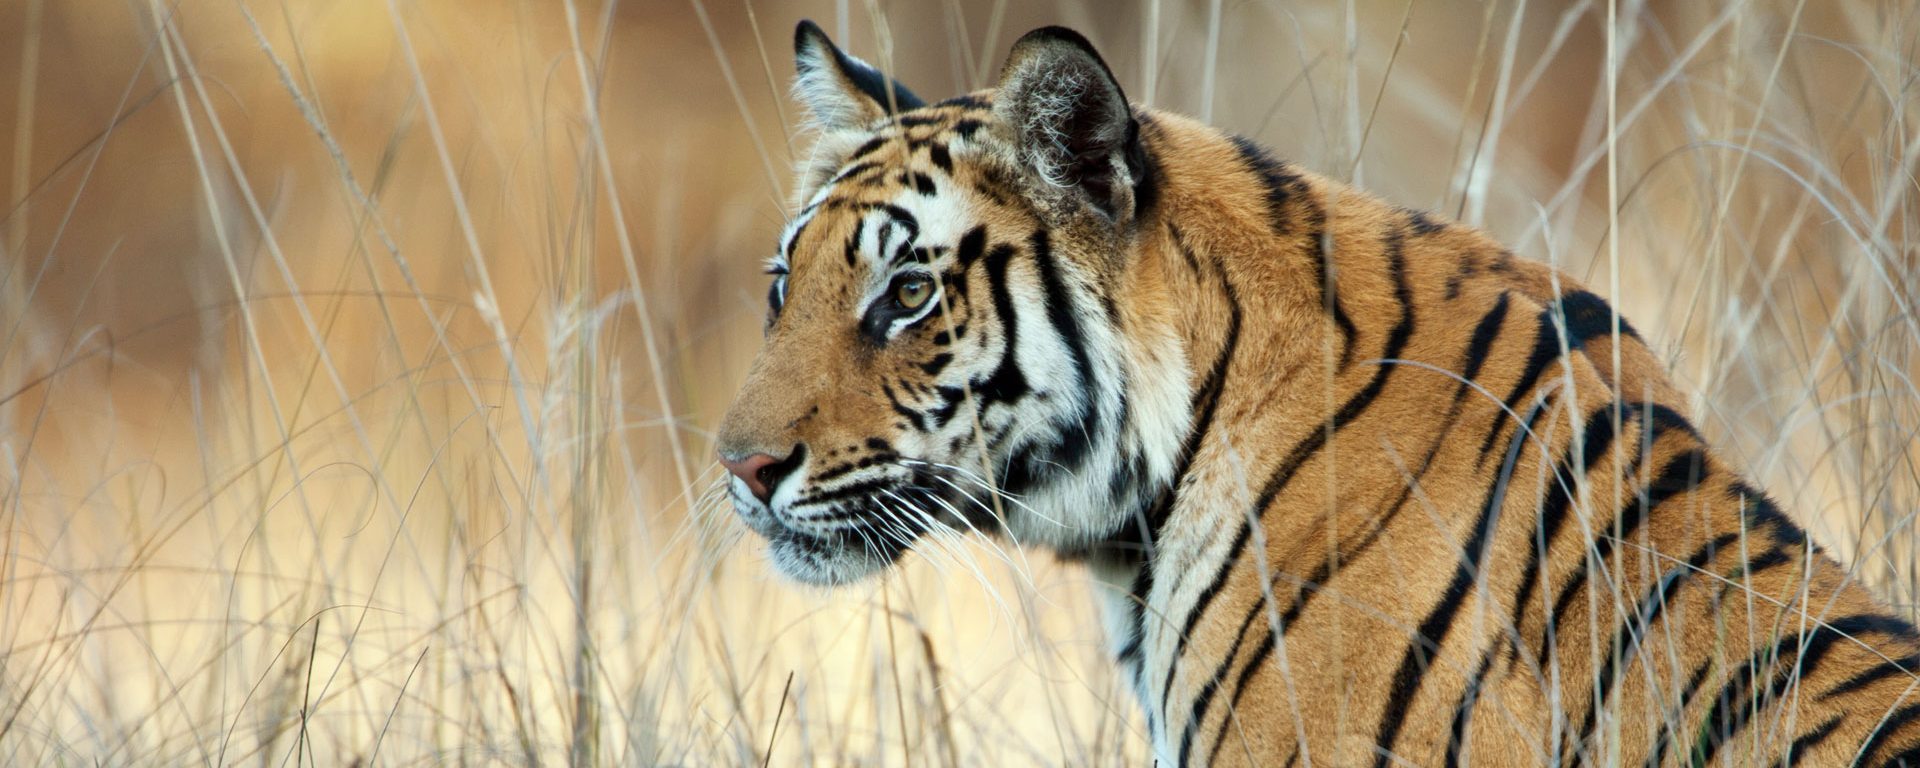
{"points": [[948, 538], [935, 521]]}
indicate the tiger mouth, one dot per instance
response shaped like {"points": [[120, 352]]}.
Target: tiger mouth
{"points": [[835, 535], [896, 504], [842, 543], [834, 557]]}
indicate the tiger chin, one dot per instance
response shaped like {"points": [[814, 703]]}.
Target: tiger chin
{"points": [[1364, 487]]}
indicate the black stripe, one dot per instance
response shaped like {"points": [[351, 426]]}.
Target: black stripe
{"points": [[1006, 384], [951, 397], [1303, 596], [1680, 474], [1308, 446], [1768, 559], [1204, 698], [1283, 185], [854, 170], [1205, 404], [1071, 451], [924, 255], [1809, 740], [1439, 621], [914, 418], [1908, 758], [1598, 438], [794, 242], [1129, 658], [775, 299], [1663, 419], [1422, 223], [1764, 514], [900, 216], [965, 101], [1205, 599], [1207, 401], [1886, 731], [941, 158], [1725, 721], [1906, 665], [905, 253], [1732, 708], [834, 472], [972, 246], [1585, 316], [852, 249], [1254, 662], [1326, 280], [867, 148], [860, 489], [1144, 165], [1823, 638], [1486, 332], [1463, 711], [1466, 266], [1354, 406], [1673, 716], [1633, 630]]}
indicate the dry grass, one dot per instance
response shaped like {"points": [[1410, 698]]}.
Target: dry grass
{"points": [[356, 358]]}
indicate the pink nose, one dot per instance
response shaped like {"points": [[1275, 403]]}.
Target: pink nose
{"points": [[760, 472]]}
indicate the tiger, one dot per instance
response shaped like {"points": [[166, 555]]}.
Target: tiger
{"points": [[1357, 484]]}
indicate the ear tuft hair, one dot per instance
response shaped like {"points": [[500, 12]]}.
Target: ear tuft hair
{"points": [[841, 91], [1074, 126]]}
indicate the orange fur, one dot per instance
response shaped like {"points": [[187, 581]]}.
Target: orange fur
{"points": [[1389, 413]]}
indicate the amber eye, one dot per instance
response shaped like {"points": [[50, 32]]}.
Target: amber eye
{"points": [[911, 293]]}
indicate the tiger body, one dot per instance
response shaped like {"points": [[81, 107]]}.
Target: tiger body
{"points": [[1362, 486]]}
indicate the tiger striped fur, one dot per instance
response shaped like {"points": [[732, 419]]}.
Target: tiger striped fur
{"points": [[1364, 487]]}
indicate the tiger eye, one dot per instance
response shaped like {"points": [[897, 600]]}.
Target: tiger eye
{"points": [[913, 292]]}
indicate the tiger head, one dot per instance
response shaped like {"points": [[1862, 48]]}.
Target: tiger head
{"points": [[947, 346]]}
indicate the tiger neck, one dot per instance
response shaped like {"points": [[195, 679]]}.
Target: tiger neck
{"points": [[1236, 288], [1218, 287]]}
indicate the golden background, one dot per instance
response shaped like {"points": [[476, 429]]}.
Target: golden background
{"points": [[358, 358]]}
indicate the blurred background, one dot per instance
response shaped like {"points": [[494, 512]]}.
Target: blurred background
{"points": [[358, 358]]}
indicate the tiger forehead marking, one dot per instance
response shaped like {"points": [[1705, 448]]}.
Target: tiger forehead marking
{"points": [[896, 192], [1361, 485]]}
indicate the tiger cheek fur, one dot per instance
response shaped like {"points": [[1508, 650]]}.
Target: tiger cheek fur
{"points": [[1362, 486]]}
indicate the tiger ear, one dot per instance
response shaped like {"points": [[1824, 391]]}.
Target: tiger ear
{"points": [[839, 90], [1074, 127]]}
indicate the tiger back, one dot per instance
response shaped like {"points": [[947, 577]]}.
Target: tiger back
{"points": [[1361, 485]]}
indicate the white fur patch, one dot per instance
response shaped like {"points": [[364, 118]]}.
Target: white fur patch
{"points": [[1049, 107], [832, 103]]}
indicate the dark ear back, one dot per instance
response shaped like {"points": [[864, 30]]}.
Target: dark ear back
{"points": [[1072, 122], [839, 90]]}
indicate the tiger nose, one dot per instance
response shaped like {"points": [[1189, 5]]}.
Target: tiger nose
{"points": [[761, 472]]}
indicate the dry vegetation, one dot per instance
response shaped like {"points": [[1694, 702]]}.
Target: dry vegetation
{"points": [[356, 367]]}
